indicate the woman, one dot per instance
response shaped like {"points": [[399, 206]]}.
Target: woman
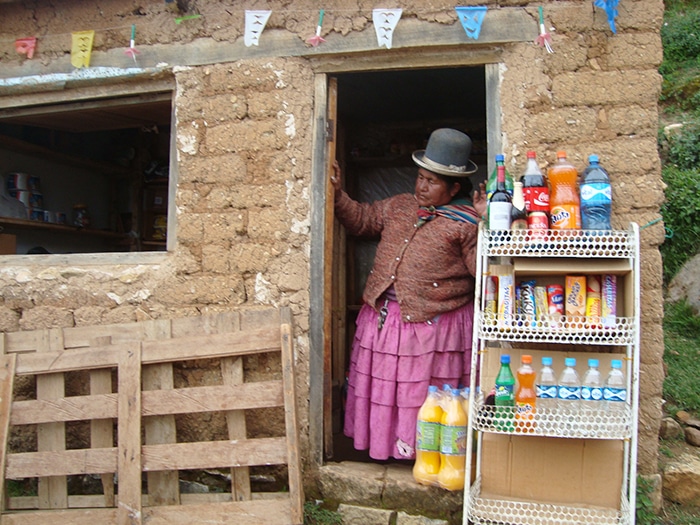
{"points": [[414, 328]]}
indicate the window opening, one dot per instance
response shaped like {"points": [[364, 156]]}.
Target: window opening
{"points": [[86, 177], [382, 118]]}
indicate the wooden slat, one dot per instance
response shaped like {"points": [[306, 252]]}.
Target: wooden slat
{"points": [[296, 493], [7, 377], [256, 512], [69, 360], [232, 374], [74, 408], [102, 425], [213, 454], [61, 463], [62, 517], [260, 394], [129, 438]]}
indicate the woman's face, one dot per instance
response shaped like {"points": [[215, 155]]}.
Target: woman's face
{"points": [[432, 190]]}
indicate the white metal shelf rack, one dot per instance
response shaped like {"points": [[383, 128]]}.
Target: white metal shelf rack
{"points": [[623, 332]]}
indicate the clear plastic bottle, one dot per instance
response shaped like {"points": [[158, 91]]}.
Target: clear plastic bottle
{"points": [[592, 387], [427, 465], [596, 196], [569, 387], [615, 388], [525, 396], [546, 386], [453, 444], [564, 202]]}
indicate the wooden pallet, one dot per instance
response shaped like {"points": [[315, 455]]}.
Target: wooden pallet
{"points": [[143, 410]]}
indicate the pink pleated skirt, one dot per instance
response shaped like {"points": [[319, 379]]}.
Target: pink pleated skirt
{"points": [[391, 369]]}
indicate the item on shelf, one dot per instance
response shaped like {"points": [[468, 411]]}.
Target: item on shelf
{"points": [[555, 302], [615, 388], [427, 465], [160, 228], [491, 295], [564, 203], [81, 216], [504, 398], [592, 386], [546, 386], [60, 217], [575, 296], [17, 181], [453, 444], [518, 215], [525, 396], [492, 181], [569, 387], [593, 300], [596, 196], [608, 300], [535, 187], [541, 306], [36, 214], [22, 196], [527, 305], [506, 300], [500, 203]]}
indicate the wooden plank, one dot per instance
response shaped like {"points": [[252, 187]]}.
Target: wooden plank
{"points": [[62, 517], [7, 377], [74, 408], [256, 512], [213, 454], [129, 437], [70, 360], [296, 491], [260, 394], [61, 463], [102, 428], [232, 374], [205, 324]]}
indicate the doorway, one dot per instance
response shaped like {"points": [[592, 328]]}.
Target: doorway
{"points": [[382, 118]]}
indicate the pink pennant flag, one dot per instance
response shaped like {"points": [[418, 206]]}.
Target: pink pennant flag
{"points": [[26, 46]]}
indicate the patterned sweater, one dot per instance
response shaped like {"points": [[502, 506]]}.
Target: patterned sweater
{"points": [[432, 267]]}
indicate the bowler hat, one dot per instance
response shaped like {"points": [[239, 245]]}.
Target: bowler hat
{"points": [[447, 153]]}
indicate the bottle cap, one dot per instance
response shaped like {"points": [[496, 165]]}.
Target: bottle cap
{"points": [[432, 389], [593, 363], [527, 359], [616, 363], [570, 361], [547, 361], [531, 154], [505, 359], [593, 158], [561, 154], [500, 158]]}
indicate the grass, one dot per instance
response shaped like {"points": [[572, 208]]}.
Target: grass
{"points": [[682, 358]]}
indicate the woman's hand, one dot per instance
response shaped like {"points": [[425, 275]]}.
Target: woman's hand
{"points": [[479, 200], [336, 179]]}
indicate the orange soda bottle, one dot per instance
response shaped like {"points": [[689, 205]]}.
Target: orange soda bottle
{"points": [[525, 396], [427, 465], [564, 203], [453, 444]]}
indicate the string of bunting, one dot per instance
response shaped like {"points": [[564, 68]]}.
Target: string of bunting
{"points": [[385, 22]]}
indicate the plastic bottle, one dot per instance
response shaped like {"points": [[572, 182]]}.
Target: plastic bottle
{"points": [[615, 388], [596, 196], [427, 465], [569, 387], [564, 204], [525, 396], [505, 396], [500, 204], [453, 444], [592, 387], [535, 188], [546, 386], [518, 215], [493, 178]]}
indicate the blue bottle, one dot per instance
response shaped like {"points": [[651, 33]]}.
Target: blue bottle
{"points": [[596, 196]]}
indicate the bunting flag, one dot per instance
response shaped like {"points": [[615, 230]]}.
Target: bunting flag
{"points": [[610, 7], [385, 21], [131, 50], [254, 25], [317, 39], [81, 48], [544, 39], [26, 46], [471, 18]]}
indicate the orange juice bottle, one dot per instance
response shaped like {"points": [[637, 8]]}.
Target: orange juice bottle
{"points": [[453, 444], [564, 203], [525, 396], [427, 465]]}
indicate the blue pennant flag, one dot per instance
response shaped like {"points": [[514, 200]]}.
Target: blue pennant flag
{"points": [[471, 18], [610, 10]]}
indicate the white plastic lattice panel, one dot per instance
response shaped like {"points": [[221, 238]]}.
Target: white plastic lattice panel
{"points": [[571, 422], [560, 243], [577, 330], [492, 511]]}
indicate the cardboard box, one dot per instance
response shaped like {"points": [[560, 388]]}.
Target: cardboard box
{"points": [[8, 244]]}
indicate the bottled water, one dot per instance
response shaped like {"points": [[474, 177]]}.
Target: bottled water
{"points": [[569, 388], [592, 387], [596, 196], [615, 389], [546, 386]]}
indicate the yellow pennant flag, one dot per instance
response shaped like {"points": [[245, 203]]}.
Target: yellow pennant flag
{"points": [[81, 48]]}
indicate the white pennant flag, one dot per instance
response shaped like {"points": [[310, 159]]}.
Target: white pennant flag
{"points": [[385, 21], [254, 25]]}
